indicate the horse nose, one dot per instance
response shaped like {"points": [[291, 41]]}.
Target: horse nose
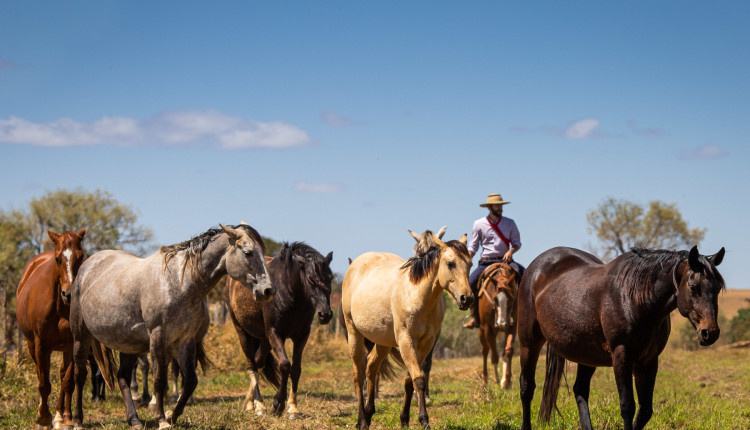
{"points": [[268, 292], [708, 337], [465, 301], [325, 316], [65, 295]]}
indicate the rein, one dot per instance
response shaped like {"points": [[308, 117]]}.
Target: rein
{"points": [[487, 276]]}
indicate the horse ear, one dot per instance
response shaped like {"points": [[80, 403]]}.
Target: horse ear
{"points": [[52, 235], [233, 234], [243, 222], [717, 258], [415, 235], [82, 233], [694, 260], [441, 232], [329, 257], [463, 239]]}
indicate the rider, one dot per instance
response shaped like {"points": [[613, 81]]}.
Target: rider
{"points": [[499, 239]]}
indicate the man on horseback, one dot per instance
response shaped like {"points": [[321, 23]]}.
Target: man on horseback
{"points": [[499, 239]]}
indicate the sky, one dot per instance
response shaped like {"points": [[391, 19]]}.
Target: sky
{"points": [[343, 124]]}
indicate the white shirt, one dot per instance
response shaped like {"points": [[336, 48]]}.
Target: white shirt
{"points": [[492, 245]]}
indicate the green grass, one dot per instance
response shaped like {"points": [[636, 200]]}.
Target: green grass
{"points": [[704, 389]]}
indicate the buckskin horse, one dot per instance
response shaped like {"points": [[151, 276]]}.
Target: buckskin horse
{"points": [[497, 313], [614, 314], [399, 304], [156, 304], [43, 318], [302, 277]]}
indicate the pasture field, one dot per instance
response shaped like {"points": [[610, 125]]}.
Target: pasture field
{"points": [[705, 389]]}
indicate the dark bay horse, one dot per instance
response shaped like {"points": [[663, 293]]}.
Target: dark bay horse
{"points": [[498, 291], [614, 314], [157, 304], [302, 277], [43, 318]]}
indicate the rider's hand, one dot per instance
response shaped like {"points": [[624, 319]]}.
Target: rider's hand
{"points": [[508, 257]]}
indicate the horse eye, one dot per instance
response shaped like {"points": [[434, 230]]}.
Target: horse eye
{"points": [[451, 265], [248, 252]]}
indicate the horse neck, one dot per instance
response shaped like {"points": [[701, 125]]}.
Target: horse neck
{"points": [[290, 290], [207, 270], [664, 293], [428, 290]]}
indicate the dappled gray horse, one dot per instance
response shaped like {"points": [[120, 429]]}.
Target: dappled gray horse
{"points": [[156, 304]]}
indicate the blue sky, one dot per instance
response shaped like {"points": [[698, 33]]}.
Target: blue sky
{"points": [[342, 124]]}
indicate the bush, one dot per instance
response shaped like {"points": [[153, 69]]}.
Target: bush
{"points": [[739, 327]]}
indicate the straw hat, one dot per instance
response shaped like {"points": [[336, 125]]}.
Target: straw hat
{"points": [[494, 199]]}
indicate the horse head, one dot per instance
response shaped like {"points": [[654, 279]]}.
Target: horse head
{"points": [[502, 289], [316, 276], [698, 284], [245, 261], [453, 263], [68, 258]]}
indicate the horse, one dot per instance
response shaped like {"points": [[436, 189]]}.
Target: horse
{"points": [[399, 304], [497, 313], [157, 304], [43, 318], [614, 314], [302, 277]]}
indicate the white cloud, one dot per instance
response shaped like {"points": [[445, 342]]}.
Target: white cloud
{"points": [[332, 118], [320, 188], [705, 152], [209, 128], [581, 129]]}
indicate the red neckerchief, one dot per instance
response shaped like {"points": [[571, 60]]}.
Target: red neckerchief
{"points": [[494, 226]]}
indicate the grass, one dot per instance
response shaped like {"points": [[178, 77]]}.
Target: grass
{"points": [[704, 389]]}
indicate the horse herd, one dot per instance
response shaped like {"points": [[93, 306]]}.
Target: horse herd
{"points": [[588, 312]]}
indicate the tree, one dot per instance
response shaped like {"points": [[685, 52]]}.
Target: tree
{"points": [[620, 225]]}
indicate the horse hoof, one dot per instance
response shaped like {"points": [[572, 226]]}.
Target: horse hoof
{"points": [[427, 401], [168, 415], [293, 416], [164, 425]]}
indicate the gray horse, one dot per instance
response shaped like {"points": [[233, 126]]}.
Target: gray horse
{"points": [[156, 304]]}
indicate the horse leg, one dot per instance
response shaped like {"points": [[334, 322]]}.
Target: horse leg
{"points": [[581, 391], [187, 365], [144, 365], [42, 359], [253, 401], [645, 379], [427, 368], [279, 400], [413, 363], [376, 357], [134, 390], [492, 340], [408, 393], [81, 350], [529, 356], [510, 339], [124, 373], [67, 386], [296, 372], [623, 368], [358, 354], [159, 362], [485, 351]]}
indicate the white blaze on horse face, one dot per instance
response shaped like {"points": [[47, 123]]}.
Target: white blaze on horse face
{"points": [[68, 253], [501, 310]]}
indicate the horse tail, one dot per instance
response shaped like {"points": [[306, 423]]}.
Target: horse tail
{"points": [[555, 369], [105, 359], [270, 372], [19, 347], [342, 322], [202, 357]]}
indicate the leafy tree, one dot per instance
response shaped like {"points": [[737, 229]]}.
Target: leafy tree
{"points": [[620, 225], [739, 327]]}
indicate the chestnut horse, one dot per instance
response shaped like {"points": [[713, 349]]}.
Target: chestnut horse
{"points": [[157, 304], [302, 277], [399, 304], [497, 313], [43, 318], [614, 314]]}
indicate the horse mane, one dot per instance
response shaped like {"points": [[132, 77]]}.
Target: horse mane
{"points": [[641, 269], [424, 263], [311, 255], [195, 246]]}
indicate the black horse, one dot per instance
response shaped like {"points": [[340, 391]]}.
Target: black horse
{"points": [[614, 314], [302, 278]]}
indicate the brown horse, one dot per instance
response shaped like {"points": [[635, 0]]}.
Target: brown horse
{"points": [[497, 313], [614, 314], [302, 278], [43, 318]]}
